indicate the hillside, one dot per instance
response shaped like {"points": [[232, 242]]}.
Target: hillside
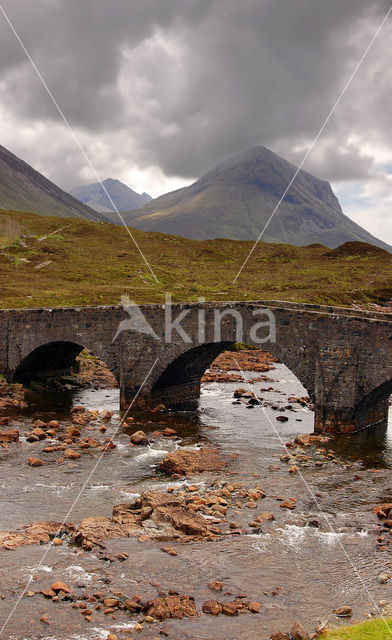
{"points": [[22, 188], [90, 263], [124, 198], [235, 199]]}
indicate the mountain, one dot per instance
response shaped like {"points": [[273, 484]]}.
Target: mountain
{"points": [[22, 188], [124, 197], [235, 199]]}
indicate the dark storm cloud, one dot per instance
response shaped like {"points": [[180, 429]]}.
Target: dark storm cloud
{"points": [[181, 84]]}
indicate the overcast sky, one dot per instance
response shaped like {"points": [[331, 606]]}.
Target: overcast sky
{"points": [[158, 91]]}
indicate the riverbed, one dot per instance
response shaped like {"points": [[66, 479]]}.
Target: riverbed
{"points": [[300, 567]]}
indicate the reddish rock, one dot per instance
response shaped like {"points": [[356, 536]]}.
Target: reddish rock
{"points": [[215, 585], [282, 418], [254, 607], [298, 632], [188, 462], [40, 424], [230, 608], [212, 607], [288, 504], [72, 455], [265, 516], [172, 607], [61, 586], [11, 435], [139, 438], [34, 462], [344, 612]]}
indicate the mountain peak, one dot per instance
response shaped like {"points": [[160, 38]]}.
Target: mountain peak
{"points": [[122, 196], [236, 198]]}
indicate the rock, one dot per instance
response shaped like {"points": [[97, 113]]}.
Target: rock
{"points": [[158, 408], [139, 438], [40, 424], [4, 421], [282, 418], [11, 435], [215, 585], [288, 504], [61, 586], [229, 608], [280, 636], [303, 439], [265, 516], [172, 607], [54, 424], [293, 469], [44, 619], [186, 462], [106, 415], [39, 433], [254, 607], [344, 612], [57, 542], [111, 602], [72, 455], [112, 636], [298, 632], [34, 462], [383, 578], [133, 606], [212, 607]]}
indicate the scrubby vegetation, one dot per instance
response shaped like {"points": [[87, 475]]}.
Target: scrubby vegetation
{"points": [[51, 261], [370, 630]]}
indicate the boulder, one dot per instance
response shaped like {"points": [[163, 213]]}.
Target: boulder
{"points": [[34, 462], [11, 435], [176, 607], [139, 438], [212, 607], [186, 462], [298, 632], [344, 612]]}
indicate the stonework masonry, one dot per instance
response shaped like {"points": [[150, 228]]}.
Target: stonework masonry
{"points": [[343, 357]]}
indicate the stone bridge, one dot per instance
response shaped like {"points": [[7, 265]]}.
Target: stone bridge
{"points": [[341, 356]]}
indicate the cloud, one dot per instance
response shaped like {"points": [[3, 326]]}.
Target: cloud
{"points": [[167, 89]]}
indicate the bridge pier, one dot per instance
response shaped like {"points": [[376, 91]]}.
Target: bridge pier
{"points": [[341, 420]]}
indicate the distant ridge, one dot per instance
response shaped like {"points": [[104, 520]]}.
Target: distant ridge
{"points": [[235, 199], [124, 198], [22, 188]]}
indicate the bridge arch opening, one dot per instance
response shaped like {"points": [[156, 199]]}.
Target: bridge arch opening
{"points": [[179, 384], [62, 358]]}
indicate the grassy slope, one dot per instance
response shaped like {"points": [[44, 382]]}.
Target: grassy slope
{"points": [[93, 263], [371, 630], [24, 189]]}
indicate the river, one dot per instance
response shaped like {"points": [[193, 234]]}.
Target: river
{"points": [[296, 571]]}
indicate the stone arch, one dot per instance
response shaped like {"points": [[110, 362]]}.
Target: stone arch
{"points": [[178, 383], [49, 358]]}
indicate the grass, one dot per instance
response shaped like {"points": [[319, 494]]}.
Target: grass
{"points": [[370, 630], [95, 263]]}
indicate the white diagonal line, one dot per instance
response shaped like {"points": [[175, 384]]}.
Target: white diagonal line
{"points": [[317, 503], [53, 233], [77, 498], [309, 151], [75, 137]]}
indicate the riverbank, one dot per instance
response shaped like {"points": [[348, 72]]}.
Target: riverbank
{"points": [[370, 630]]}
